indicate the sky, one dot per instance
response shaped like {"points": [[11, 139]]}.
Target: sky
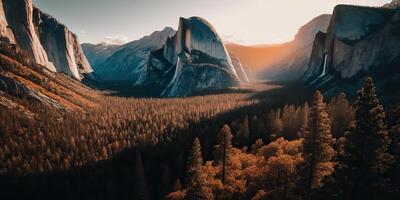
{"points": [[246, 22]]}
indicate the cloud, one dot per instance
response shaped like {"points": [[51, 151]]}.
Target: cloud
{"points": [[117, 39], [231, 38], [83, 32]]}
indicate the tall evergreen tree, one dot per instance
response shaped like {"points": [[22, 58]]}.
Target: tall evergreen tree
{"points": [[196, 183], [395, 151], [341, 114], [223, 149], [365, 159], [317, 147], [141, 192], [242, 136]]}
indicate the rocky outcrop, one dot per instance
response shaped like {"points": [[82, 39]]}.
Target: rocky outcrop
{"points": [[49, 42], [15, 88], [360, 41], [193, 60]]}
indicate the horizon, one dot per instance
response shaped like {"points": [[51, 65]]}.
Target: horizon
{"points": [[94, 20]]}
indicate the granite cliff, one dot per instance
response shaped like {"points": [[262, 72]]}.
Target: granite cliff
{"points": [[49, 42]]}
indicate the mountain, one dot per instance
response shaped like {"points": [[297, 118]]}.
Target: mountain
{"points": [[360, 42], [126, 63], [97, 54], [285, 61], [393, 5], [49, 42], [193, 60]]}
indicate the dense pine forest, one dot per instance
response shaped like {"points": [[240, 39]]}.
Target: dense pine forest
{"points": [[272, 141]]}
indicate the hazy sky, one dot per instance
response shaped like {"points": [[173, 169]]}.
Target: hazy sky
{"points": [[243, 21]]}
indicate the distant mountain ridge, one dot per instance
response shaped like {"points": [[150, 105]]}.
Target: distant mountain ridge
{"points": [[181, 62], [97, 54], [285, 61], [126, 62], [49, 42]]}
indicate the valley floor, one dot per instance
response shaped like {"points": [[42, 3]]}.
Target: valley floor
{"points": [[100, 144]]}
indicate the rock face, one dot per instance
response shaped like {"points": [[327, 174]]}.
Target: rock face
{"points": [[192, 61], [19, 15], [243, 75], [6, 33], [62, 46], [128, 61], [393, 5], [360, 41], [50, 43]]}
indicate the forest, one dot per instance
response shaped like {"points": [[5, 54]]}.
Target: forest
{"points": [[272, 141]]}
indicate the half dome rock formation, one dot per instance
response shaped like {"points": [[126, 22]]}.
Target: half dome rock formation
{"points": [[49, 42], [192, 61], [360, 41]]}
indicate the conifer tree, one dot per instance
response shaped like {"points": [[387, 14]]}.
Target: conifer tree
{"points": [[317, 147], [196, 183], [341, 114], [395, 151], [223, 149], [303, 115], [242, 136], [365, 160], [141, 192]]}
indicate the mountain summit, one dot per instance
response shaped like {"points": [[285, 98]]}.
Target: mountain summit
{"points": [[194, 60]]}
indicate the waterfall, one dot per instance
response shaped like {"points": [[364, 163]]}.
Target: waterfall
{"points": [[325, 65]]}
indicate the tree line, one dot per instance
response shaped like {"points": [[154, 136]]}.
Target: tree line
{"points": [[325, 158]]}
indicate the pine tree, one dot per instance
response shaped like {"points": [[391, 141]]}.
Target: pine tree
{"points": [[223, 149], [275, 124], [317, 147], [395, 151], [303, 115], [341, 114], [365, 160], [196, 184], [242, 136], [141, 192]]}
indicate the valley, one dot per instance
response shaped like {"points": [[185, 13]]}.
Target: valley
{"points": [[183, 113]]}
